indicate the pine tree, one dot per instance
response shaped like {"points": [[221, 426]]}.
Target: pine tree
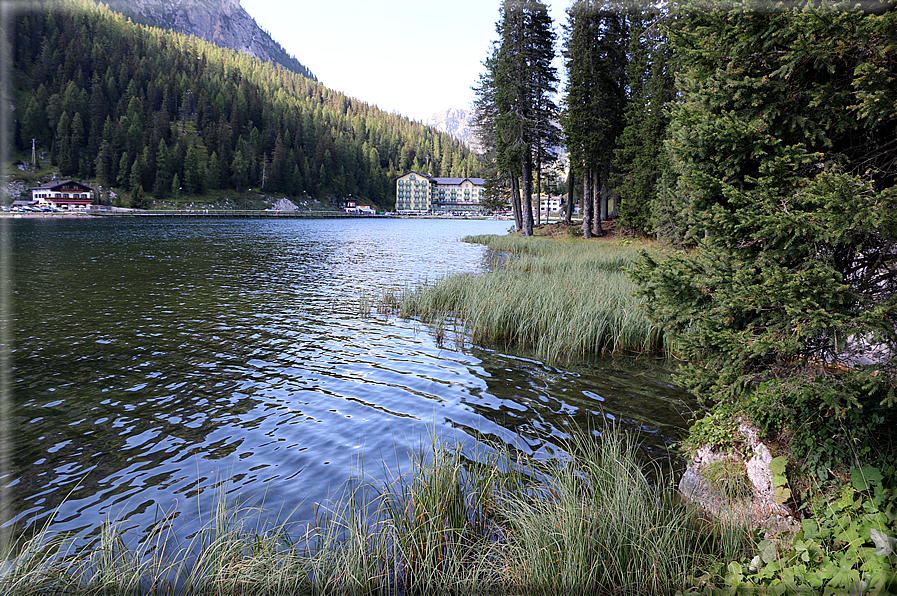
{"points": [[124, 171], [240, 169], [176, 189], [136, 178], [502, 169], [640, 160], [63, 143], [783, 143], [595, 53], [138, 198], [192, 182], [214, 171], [104, 165], [513, 104]]}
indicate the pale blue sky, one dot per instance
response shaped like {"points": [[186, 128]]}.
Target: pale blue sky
{"points": [[363, 47]]}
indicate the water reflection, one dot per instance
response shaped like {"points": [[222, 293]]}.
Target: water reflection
{"points": [[156, 361]]}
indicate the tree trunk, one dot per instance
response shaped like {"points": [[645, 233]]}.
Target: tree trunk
{"points": [[539, 182], [568, 213], [597, 214], [605, 197], [515, 203], [587, 205], [527, 188]]}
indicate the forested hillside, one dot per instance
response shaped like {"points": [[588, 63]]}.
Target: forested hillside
{"points": [[152, 112]]}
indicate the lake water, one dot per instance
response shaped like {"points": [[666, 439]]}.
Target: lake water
{"points": [[158, 363]]}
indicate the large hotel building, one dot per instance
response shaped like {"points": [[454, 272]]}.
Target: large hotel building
{"points": [[419, 193]]}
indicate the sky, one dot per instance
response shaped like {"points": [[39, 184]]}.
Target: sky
{"points": [[376, 50]]}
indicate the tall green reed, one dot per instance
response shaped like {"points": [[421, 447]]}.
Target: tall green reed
{"points": [[563, 299], [598, 520]]}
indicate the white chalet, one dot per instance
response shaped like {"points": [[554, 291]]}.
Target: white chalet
{"points": [[64, 194]]}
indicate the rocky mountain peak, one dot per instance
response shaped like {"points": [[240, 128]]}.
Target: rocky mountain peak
{"points": [[456, 122], [223, 22]]}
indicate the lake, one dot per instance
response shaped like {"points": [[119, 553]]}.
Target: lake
{"points": [[157, 364]]}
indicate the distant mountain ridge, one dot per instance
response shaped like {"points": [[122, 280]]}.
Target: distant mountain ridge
{"points": [[456, 122], [223, 22]]}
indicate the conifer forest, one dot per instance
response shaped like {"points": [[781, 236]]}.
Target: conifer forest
{"points": [[140, 108]]}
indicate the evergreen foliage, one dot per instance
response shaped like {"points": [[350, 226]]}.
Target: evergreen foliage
{"points": [[783, 141], [514, 112], [595, 53], [99, 93], [640, 160]]}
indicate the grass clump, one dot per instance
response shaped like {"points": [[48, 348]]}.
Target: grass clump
{"points": [[728, 476], [596, 521], [562, 298], [604, 524]]}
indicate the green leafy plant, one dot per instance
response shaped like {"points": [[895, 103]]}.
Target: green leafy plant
{"points": [[848, 545], [718, 428], [779, 480]]}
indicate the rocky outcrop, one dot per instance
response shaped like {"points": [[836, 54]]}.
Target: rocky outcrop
{"points": [[223, 22], [285, 205], [456, 122], [759, 509]]}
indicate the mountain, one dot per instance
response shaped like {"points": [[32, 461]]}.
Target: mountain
{"points": [[456, 122], [223, 22], [161, 115]]}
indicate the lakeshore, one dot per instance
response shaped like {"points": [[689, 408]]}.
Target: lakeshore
{"points": [[234, 213]]}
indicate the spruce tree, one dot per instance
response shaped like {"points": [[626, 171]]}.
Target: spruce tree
{"points": [[103, 165], [520, 82], [595, 57], [502, 169], [192, 182], [124, 171], [162, 182], [640, 159], [783, 143]]}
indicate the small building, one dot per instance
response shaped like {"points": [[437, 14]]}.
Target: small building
{"points": [[420, 193], [62, 194], [362, 209], [550, 205]]}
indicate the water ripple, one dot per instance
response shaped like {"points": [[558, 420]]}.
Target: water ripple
{"points": [[156, 362]]}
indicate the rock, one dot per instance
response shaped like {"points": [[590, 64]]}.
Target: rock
{"points": [[223, 22], [759, 511], [456, 122], [285, 205]]}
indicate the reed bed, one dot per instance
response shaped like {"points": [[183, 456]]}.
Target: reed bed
{"points": [[562, 298], [596, 522]]}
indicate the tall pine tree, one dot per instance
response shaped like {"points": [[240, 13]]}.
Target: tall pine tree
{"points": [[513, 97], [640, 159], [595, 53]]}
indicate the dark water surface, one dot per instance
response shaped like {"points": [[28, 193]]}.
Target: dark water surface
{"points": [[157, 361]]}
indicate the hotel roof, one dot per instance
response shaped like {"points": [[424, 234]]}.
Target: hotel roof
{"points": [[477, 181]]}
